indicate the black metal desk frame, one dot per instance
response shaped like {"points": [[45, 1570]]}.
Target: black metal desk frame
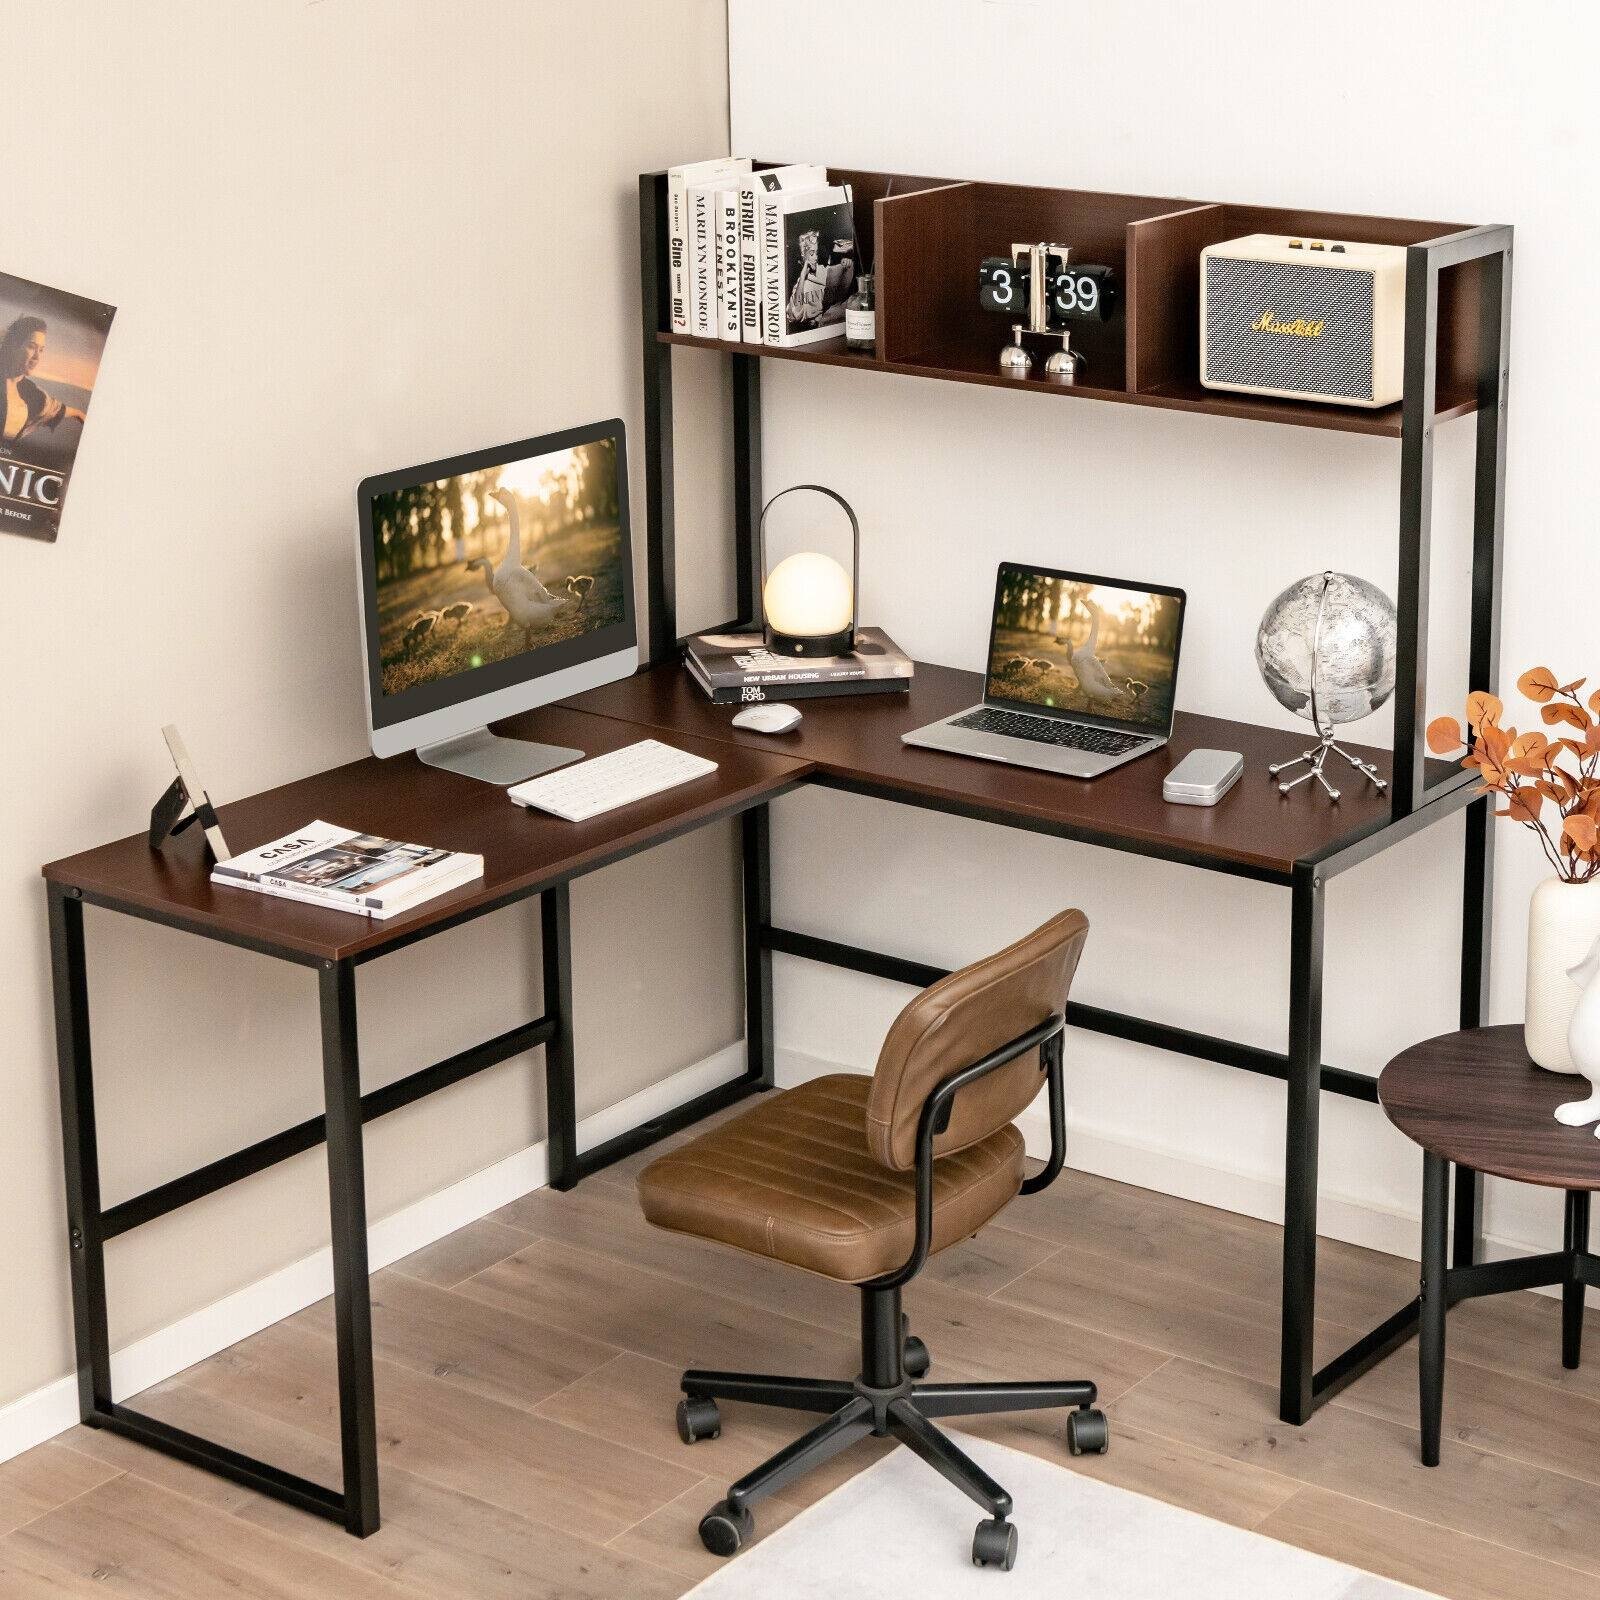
{"points": [[346, 1110], [1415, 803]]}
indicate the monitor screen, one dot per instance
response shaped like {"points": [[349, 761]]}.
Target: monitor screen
{"points": [[485, 571], [1085, 647]]}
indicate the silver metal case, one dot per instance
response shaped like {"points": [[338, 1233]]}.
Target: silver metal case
{"points": [[1202, 777]]}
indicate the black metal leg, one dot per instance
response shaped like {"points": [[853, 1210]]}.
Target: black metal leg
{"points": [[765, 1389], [1296, 1400], [975, 1399], [1577, 1244], [823, 1443], [347, 1200], [661, 543], [560, 1090], [1477, 911], [756, 841], [80, 1153], [1467, 1226], [951, 1463], [747, 483], [1435, 1241]]}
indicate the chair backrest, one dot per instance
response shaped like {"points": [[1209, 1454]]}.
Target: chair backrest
{"points": [[959, 1020]]}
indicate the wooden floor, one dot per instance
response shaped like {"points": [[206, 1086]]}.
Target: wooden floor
{"points": [[527, 1375]]}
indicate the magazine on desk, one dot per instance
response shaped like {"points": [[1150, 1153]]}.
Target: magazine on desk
{"points": [[738, 669], [352, 871]]}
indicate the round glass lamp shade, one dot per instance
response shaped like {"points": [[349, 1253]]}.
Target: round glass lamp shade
{"points": [[809, 607]]}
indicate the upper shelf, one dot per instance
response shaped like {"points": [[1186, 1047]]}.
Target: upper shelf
{"points": [[929, 234]]}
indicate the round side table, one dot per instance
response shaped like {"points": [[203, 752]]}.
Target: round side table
{"points": [[1474, 1097]]}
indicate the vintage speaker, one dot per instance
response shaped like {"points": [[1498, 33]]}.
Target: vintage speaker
{"points": [[1307, 319]]}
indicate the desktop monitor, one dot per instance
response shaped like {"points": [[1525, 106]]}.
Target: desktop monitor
{"points": [[490, 584]]}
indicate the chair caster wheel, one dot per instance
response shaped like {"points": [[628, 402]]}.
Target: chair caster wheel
{"points": [[995, 1544], [1088, 1432], [698, 1419], [916, 1358], [723, 1530]]}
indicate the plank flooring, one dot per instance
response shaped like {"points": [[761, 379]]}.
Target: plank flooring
{"points": [[526, 1374]]}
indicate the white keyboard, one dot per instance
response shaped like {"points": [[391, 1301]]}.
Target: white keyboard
{"points": [[589, 788]]}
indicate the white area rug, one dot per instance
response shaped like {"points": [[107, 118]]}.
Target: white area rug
{"points": [[898, 1530]]}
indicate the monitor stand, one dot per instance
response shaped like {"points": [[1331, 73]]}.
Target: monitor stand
{"points": [[485, 755]]}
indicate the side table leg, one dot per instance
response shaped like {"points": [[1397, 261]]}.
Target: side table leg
{"points": [[1577, 1243], [1435, 1243], [347, 1204]]}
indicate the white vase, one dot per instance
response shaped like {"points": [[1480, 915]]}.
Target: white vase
{"points": [[1563, 924]]}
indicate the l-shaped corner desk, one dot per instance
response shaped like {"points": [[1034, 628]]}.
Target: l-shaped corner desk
{"points": [[851, 744], [929, 235]]}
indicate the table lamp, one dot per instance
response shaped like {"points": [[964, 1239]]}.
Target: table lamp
{"points": [[808, 601]]}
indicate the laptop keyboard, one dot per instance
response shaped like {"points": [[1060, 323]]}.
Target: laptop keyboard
{"points": [[1047, 730]]}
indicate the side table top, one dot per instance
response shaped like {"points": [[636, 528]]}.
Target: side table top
{"points": [[1476, 1097]]}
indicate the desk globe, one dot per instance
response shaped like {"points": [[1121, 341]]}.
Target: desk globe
{"points": [[1325, 649]]}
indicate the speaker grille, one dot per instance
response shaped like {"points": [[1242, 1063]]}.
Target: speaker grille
{"points": [[1339, 362]]}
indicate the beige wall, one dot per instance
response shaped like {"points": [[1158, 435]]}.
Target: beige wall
{"points": [[342, 237]]}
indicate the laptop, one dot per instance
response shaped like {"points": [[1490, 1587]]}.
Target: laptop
{"points": [[1081, 675]]}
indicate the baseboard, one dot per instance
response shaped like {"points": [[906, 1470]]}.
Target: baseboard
{"points": [[52, 1409]]}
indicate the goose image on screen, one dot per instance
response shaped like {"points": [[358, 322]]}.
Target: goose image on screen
{"points": [[1090, 671], [528, 604]]}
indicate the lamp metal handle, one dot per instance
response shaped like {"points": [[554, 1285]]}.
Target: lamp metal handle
{"points": [[855, 547]]}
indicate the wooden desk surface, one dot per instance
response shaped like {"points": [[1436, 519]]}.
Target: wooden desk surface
{"points": [[853, 742], [402, 799], [1477, 1098]]}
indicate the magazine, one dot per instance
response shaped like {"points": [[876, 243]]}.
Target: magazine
{"points": [[353, 871], [738, 669]]}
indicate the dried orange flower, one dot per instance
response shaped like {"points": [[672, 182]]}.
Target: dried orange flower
{"points": [[1533, 769]]}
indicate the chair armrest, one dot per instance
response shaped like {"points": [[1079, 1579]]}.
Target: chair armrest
{"points": [[1046, 1037]]}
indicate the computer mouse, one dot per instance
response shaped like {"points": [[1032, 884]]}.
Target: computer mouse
{"points": [[768, 718]]}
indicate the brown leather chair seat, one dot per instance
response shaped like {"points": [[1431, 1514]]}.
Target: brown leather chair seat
{"points": [[793, 1179]]}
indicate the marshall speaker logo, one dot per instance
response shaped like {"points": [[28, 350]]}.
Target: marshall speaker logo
{"points": [[1268, 322]]}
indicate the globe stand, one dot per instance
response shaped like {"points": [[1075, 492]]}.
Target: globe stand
{"points": [[1315, 760]]}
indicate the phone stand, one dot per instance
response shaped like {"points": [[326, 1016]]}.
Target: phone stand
{"points": [[167, 814]]}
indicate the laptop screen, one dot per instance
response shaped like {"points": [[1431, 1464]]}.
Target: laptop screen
{"points": [[1092, 649]]}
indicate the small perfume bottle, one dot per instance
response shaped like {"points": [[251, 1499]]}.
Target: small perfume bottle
{"points": [[861, 315]]}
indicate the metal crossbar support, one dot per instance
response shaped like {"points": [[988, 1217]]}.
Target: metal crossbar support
{"points": [[1094, 1019], [307, 1135]]}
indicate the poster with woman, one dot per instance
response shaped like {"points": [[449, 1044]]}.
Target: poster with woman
{"points": [[50, 347]]}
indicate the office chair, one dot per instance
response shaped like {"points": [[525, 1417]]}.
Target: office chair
{"points": [[861, 1180]]}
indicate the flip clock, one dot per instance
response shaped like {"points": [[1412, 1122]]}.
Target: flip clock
{"points": [[1038, 286], [1305, 319]]}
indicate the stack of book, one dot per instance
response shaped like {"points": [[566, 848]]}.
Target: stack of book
{"points": [[763, 257], [737, 669], [350, 871]]}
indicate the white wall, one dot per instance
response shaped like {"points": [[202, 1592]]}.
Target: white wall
{"points": [[1481, 114], [341, 238]]}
